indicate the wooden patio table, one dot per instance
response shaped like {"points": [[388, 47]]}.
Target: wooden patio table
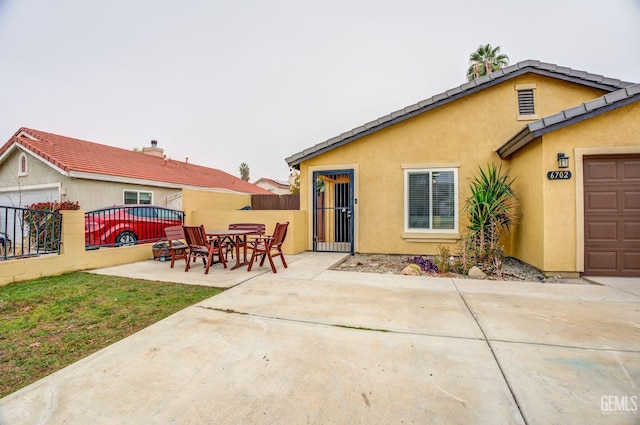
{"points": [[241, 239]]}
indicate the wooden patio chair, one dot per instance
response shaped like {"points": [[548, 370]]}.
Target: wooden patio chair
{"points": [[200, 247], [269, 246], [256, 229], [178, 249]]}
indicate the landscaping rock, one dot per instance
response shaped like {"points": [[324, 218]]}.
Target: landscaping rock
{"points": [[514, 270], [476, 273], [411, 270]]}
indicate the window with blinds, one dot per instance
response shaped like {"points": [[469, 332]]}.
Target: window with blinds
{"points": [[525, 102], [137, 197], [431, 199]]}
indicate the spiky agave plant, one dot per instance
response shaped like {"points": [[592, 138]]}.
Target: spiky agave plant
{"points": [[490, 209]]}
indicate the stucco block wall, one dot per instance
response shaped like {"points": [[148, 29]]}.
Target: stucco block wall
{"points": [[462, 134], [213, 215], [73, 256], [216, 210], [295, 241]]}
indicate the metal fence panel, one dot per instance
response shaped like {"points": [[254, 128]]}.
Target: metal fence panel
{"points": [[27, 233], [128, 225]]}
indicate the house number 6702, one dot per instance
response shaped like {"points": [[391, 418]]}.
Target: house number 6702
{"points": [[559, 175]]}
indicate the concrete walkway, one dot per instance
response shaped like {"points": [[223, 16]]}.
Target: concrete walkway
{"points": [[316, 346]]}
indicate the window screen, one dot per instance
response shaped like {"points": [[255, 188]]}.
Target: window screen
{"points": [[135, 197], [130, 198], [145, 198], [431, 200]]}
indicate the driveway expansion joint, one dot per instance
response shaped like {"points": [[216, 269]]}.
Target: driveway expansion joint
{"points": [[336, 325], [572, 347], [493, 354]]}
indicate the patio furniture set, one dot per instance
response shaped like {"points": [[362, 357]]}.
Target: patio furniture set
{"points": [[214, 246]]}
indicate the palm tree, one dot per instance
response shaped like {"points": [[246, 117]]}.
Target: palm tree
{"points": [[485, 60], [244, 171]]}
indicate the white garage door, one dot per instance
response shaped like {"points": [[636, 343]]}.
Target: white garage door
{"points": [[26, 197], [22, 198]]}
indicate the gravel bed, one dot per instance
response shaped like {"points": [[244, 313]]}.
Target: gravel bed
{"points": [[515, 270]]}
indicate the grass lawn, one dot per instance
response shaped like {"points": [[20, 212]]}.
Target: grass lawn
{"points": [[49, 323]]}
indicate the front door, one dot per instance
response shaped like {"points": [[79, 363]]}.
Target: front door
{"points": [[333, 211]]}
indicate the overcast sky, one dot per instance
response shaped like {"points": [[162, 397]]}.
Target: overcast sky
{"points": [[230, 81]]}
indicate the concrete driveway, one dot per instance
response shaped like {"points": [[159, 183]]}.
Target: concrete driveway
{"points": [[310, 345]]}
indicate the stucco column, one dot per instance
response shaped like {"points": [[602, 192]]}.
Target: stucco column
{"points": [[72, 232]]}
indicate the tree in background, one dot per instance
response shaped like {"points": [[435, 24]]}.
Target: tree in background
{"points": [[244, 171], [295, 186], [485, 60]]}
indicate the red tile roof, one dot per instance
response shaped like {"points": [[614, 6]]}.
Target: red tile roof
{"points": [[80, 156]]}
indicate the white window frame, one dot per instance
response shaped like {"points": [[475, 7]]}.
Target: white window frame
{"points": [[137, 192], [23, 157], [409, 171]]}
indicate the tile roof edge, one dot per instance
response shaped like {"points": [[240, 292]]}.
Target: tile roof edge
{"points": [[571, 115], [508, 72], [220, 177], [29, 144]]}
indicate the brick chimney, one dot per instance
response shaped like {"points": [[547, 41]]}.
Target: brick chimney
{"points": [[154, 149]]}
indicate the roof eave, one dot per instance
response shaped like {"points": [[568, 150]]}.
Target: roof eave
{"points": [[8, 150], [369, 128], [19, 146], [155, 183], [522, 138], [471, 87], [526, 135]]}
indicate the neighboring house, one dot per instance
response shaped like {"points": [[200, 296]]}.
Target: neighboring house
{"points": [[36, 167], [274, 186], [398, 184]]}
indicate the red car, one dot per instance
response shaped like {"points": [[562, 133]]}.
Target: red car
{"points": [[128, 224]]}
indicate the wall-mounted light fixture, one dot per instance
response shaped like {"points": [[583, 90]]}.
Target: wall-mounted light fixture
{"points": [[563, 161]]}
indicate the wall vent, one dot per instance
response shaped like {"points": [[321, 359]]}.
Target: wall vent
{"points": [[525, 102]]}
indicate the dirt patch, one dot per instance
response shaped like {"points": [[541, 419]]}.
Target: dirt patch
{"points": [[514, 270]]}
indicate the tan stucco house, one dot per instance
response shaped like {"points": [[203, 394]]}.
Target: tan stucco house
{"points": [[397, 184], [36, 166]]}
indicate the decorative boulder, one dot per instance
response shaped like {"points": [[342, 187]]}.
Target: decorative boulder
{"points": [[476, 273], [411, 270]]}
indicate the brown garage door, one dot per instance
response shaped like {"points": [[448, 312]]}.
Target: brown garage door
{"points": [[612, 215]]}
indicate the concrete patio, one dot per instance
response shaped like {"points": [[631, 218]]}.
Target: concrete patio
{"points": [[318, 346]]}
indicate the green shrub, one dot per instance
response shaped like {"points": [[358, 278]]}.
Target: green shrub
{"points": [[441, 259], [45, 229], [490, 209]]}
